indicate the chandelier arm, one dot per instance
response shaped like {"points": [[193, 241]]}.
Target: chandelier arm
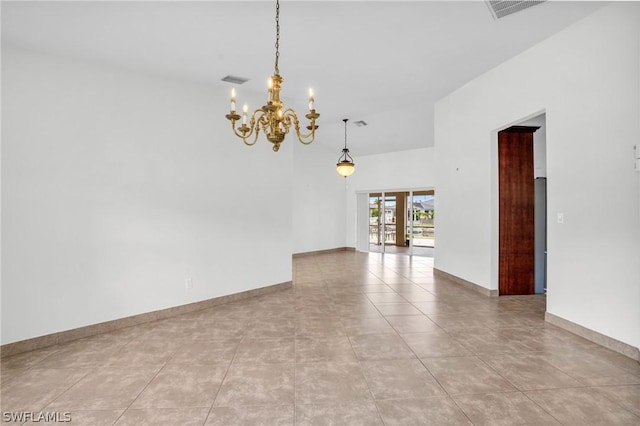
{"points": [[262, 121], [304, 138], [245, 138], [235, 131], [255, 139], [289, 112], [291, 118], [301, 138], [285, 121], [259, 117], [252, 130]]}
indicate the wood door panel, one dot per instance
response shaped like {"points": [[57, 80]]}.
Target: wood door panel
{"points": [[516, 211]]}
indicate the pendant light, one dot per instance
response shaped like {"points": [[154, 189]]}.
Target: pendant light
{"points": [[345, 166]]}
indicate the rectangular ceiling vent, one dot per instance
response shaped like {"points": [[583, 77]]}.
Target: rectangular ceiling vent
{"points": [[501, 8], [235, 79]]}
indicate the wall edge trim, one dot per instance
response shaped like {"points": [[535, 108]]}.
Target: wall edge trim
{"points": [[594, 336], [468, 284], [326, 251], [66, 336]]}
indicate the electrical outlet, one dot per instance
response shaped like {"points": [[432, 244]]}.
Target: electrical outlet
{"points": [[560, 217], [188, 283]]}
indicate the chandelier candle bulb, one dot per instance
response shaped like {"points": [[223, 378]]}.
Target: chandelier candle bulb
{"points": [[311, 99], [245, 108], [233, 99]]}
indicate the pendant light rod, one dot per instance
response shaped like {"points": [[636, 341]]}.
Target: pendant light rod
{"points": [[345, 132]]}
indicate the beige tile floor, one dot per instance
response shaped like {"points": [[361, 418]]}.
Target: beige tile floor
{"points": [[359, 340]]}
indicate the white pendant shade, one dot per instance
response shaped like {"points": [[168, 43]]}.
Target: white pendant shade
{"points": [[345, 168]]}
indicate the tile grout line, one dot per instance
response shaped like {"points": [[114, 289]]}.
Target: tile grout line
{"points": [[145, 387], [373, 399], [213, 403], [295, 361]]}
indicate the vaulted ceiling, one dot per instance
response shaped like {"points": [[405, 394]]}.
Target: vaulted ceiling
{"points": [[384, 62]]}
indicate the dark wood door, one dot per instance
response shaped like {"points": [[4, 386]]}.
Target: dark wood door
{"points": [[516, 211]]}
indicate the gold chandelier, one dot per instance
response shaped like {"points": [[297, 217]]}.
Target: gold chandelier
{"points": [[272, 118]]}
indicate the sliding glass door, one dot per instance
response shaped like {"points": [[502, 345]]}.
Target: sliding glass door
{"points": [[401, 222], [420, 224], [376, 235]]}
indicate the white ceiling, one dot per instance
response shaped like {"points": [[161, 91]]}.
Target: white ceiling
{"points": [[384, 62]]}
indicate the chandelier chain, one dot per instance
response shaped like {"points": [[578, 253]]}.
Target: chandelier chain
{"points": [[277, 71]]}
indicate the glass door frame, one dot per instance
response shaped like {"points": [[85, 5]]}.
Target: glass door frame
{"points": [[409, 210], [380, 228]]}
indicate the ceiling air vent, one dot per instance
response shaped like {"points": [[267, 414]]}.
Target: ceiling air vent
{"points": [[360, 123], [501, 8], [235, 79]]}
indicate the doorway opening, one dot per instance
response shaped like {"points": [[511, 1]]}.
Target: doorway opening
{"points": [[402, 222]]}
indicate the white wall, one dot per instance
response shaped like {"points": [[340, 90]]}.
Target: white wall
{"points": [[402, 170], [318, 199], [117, 187], [586, 78]]}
